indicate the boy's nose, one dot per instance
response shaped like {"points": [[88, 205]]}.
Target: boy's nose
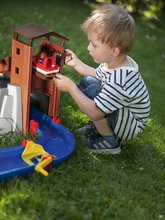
{"points": [[88, 47]]}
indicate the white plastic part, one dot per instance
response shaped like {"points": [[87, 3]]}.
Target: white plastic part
{"points": [[10, 109]]}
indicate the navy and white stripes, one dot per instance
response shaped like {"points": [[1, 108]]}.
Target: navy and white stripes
{"points": [[124, 90]]}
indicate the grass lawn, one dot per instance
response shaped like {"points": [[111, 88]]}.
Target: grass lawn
{"points": [[129, 186]]}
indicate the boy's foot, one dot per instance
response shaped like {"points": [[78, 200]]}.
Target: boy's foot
{"points": [[99, 145], [88, 130]]}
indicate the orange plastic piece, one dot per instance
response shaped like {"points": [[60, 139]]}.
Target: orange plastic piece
{"points": [[5, 65], [24, 142], [33, 127], [41, 166], [56, 120], [44, 157]]}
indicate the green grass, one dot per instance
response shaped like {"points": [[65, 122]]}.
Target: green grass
{"points": [[129, 186]]}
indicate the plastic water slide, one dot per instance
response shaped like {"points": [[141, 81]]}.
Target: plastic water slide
{"points": [[55, 138]]}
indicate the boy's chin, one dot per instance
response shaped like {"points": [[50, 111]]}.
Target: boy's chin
{"points": [[96, 61]]}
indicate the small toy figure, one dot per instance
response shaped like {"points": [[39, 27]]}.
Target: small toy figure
{"points": [[42, 57]]}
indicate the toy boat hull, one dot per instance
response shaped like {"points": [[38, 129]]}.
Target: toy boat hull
{"points": [[45, 72], [55, 139]]}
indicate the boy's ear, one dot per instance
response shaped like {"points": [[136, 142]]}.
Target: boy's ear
{"points": [[116, 51]]}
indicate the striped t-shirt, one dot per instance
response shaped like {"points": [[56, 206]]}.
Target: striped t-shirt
{"points": [[123, 89]]}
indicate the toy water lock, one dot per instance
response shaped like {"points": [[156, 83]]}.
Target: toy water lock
{"points": [[27, 73]]}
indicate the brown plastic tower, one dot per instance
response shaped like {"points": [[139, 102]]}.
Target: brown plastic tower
{"points": [[28, 79]]}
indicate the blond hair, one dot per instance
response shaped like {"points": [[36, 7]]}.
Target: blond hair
{"points": [[113, 25]]}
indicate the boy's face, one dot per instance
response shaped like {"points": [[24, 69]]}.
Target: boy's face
{"points": [[101, 53]]}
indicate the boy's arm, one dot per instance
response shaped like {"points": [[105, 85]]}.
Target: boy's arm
{"points": [[85, 104], [83, 69]]}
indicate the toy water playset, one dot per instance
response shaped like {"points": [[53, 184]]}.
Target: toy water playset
{"points": [[29, 73]]}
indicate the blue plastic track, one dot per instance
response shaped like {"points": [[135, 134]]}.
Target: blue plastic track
{"points": [[55, 139]]}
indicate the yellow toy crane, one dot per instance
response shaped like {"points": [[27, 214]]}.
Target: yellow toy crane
{"points": [[36, 151]]}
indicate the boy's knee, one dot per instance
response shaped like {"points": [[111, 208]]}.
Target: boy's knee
{"points": [[93, 90], [88, 80]]}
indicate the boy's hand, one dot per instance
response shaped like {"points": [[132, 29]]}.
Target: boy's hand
{"points": [[63, 83], [71, 59]]}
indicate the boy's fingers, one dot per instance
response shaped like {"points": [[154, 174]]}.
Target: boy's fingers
{"points": [[68, 58], [57, 76], [68, 51], [67, 54]]}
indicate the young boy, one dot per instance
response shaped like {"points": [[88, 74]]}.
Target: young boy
{"points": [[114, 95]]}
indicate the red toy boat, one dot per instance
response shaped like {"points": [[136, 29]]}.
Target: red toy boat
{"points": [[45, 65]]}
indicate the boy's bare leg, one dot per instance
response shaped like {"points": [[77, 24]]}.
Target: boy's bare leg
{"points": [[102, 127]]}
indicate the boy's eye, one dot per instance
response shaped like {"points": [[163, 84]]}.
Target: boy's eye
{"points": [[94, 45]]}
